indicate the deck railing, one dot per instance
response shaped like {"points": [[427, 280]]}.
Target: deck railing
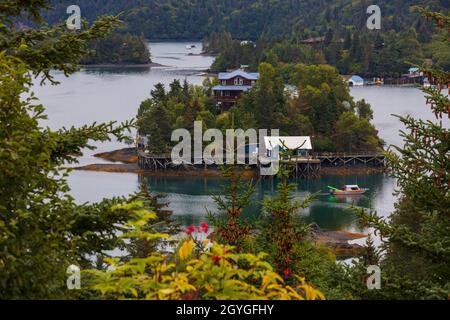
{"points": [[347, 154], [227, 98]]}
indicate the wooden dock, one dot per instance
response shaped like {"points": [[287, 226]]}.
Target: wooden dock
{"points": [[303, 167], [367, 159]]}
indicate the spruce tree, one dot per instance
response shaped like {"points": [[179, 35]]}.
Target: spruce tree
{"points": [[416, 238], [42, 229], [162, 224], [281, 229], [229, 226]]}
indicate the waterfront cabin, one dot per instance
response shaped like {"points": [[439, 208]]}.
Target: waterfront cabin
{"points": [[302, 146], [232, 86], [355, 81], [414, 72]]}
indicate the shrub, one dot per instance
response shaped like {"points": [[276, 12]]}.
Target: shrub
{"points": [[196, 270]]}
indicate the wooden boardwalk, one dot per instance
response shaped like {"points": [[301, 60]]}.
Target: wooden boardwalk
{"points": [[302, 166], [352, 159]]}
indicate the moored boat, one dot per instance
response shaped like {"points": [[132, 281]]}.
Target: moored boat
{"points": [[347, 190]]}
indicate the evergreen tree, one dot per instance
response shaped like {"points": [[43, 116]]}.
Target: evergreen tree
{"points": [[371, 256], [266, 99], [281, 230], [162, 224], [159, 93], [42, 229], [416, 239], [364, 110], [229, 226]]}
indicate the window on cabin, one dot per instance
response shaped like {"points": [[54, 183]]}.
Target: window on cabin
{"points": [[224, 82], [238, 81]]}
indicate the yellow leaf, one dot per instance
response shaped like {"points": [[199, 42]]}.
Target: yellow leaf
{"points": [[134, 292], [186, 250]]}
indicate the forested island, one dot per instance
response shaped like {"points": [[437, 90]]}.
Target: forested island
{"points": [[118, 49], [323, 108]]}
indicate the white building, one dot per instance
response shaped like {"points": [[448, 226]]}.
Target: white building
{"points": [[302, 146], [355, 81]]}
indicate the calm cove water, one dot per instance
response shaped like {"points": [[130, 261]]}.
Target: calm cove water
{"points": [[114, 94]]}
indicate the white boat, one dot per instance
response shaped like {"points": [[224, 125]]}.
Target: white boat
{"points": [[190, 46]]}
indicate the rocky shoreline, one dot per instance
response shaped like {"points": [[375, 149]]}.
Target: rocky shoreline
{"points": [[126, 65], [338, 242], [349, 171]]}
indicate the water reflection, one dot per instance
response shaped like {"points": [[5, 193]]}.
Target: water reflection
{"points": [[189, 199], [123, 70]]}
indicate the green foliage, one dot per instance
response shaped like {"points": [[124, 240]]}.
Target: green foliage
{"points": [[42, 230], [281, 231], [118, 48], [321, 95], [177, 108], [163, 223], [288, 243], [355, 134], [315, 108], [319, 266], [195, 19], [37, 218], [280, 30], [45, 48], [416, 236], [364, 110], [371, 255], [204, 270], [229, 226], [266, 100], [324, 108]]}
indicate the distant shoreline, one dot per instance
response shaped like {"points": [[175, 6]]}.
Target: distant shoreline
{"points": [[126, 65]]}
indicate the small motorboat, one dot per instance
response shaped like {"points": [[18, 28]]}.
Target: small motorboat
{"points": [[347, 190], [190, 46]]}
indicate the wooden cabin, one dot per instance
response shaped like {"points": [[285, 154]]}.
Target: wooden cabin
{"points": [[232, 85]]}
